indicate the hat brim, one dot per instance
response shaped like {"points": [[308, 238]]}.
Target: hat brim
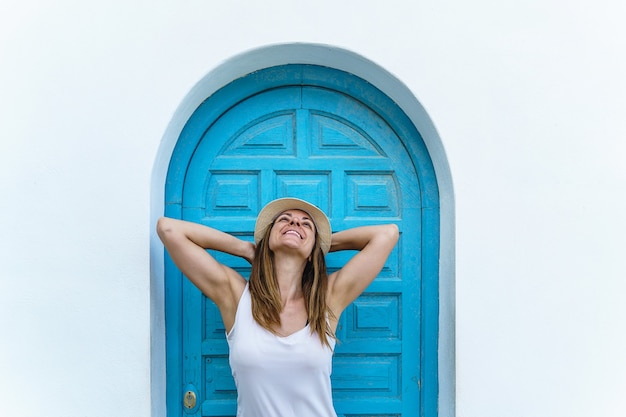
{"points": [[268, 214]]}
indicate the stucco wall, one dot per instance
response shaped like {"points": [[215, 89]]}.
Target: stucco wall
{"points": [[527, 97]]}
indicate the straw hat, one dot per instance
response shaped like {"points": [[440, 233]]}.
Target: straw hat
{"points": [[268, 214]]}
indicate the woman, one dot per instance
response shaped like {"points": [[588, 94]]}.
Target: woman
{"points": [[280, 326]]}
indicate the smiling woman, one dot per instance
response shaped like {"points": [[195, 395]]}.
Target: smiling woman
{"points": [[281, 324]]}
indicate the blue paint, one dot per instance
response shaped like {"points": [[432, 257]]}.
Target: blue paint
{"points": [[328, 135]]}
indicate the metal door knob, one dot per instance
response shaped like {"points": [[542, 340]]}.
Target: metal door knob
{"points": [[189, 400]]}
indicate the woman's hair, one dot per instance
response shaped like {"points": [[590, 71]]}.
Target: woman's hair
{"points": [[265, 293]]}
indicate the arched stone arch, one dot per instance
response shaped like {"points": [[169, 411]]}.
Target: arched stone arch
{"points": [[343, 60]]}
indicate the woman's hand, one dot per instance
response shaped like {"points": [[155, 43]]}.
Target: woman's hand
{"points": [[250, 251]]}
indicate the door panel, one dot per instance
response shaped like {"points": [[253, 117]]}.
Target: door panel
{"points": [[334, 151]]}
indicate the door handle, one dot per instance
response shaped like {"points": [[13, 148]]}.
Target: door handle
{"points": [[189, 400]]}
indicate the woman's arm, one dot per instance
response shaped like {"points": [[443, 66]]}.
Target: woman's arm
{"points": [[374, 244], [186, 243]]}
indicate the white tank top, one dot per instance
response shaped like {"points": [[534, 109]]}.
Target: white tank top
{"points": [[278, 376]]}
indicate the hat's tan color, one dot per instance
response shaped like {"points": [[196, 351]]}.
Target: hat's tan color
{"points": [[268, 214]]}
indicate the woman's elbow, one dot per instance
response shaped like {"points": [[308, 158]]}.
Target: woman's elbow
{"points": [[164, 227], [392, 232], [387, 234]]}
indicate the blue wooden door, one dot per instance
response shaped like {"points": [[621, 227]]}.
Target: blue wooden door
{"points": [[312, 141]]}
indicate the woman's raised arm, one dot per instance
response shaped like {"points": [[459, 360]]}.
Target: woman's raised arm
{"points": [[374, 244], [186, 243]]}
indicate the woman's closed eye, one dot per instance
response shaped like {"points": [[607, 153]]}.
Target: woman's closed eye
{"points": [[304, 222]]}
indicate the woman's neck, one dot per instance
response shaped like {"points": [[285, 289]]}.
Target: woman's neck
{"points": [[289, 270]]}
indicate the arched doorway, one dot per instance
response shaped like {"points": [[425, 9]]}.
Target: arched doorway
{"points": [[332, 138]]}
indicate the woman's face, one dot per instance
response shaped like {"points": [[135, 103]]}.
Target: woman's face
{"points": [[293, 230]]}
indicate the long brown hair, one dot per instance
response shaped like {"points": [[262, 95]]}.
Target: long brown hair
{"points": [[265, 293]]}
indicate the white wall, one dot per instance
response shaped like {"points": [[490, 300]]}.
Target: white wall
{"points": [[528, 98]]}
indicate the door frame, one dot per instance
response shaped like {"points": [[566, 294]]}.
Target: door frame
{"points": [[350, 62]]}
